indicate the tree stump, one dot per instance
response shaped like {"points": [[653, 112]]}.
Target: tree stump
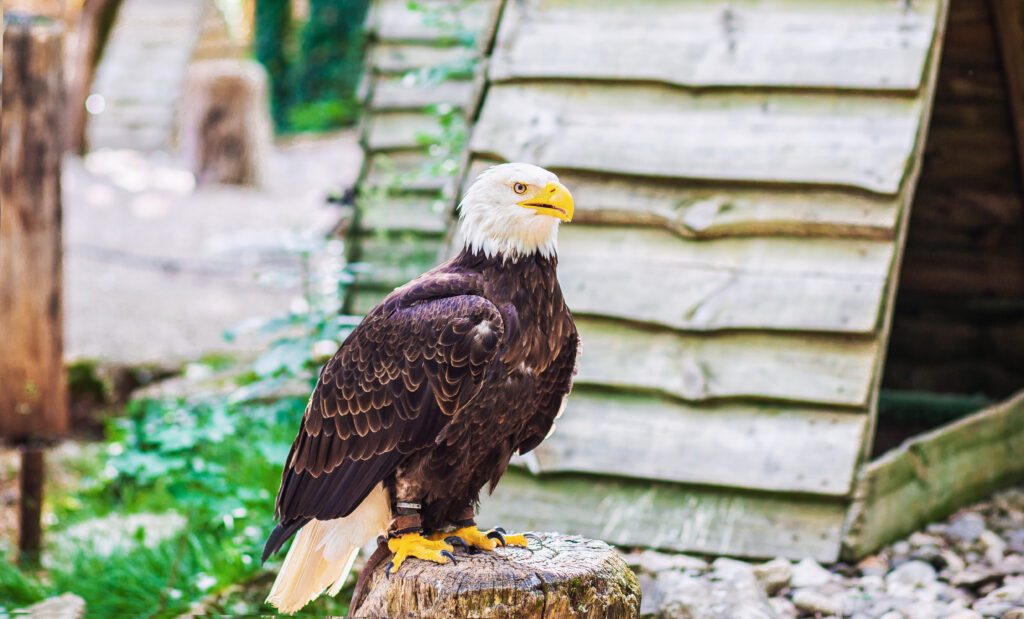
{"points": [[558, 576], [225, 126]]}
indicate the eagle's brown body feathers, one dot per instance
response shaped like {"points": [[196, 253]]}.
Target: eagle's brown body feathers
{"points": [[434, 392]]}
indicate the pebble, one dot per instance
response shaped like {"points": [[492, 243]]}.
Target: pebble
{"points": [[811, 601], [1001, 601], [909, 576], [967, 527], [774, 576], [809, 573], [1015, 541]]}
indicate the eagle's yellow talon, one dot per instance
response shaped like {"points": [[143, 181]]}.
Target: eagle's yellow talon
{"points": [[484, 540], [517, 539], [415, 545]]}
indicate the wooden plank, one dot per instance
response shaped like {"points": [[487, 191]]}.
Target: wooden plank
{"points": [[668, 516], [830, 370], [786, 44], [391, 59], [433, 21], [400, 131], [932, 475], [33, 396], [718, 211], [407, 171], [736, 445], [656, 131], [759, 283], [400, 94], [387, 261], [1009, 26], [406, 214]]}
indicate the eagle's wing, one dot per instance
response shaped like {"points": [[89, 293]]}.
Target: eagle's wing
{"points": [[391, 388], [554, 387]]}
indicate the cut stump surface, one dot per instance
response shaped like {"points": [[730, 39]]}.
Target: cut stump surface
{"points": [[558, 576]]}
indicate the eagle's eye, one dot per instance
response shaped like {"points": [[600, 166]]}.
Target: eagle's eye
{"points": [[519, 188]]}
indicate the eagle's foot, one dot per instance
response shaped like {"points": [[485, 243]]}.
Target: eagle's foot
{"points": [[415, 545], [484, 540]]}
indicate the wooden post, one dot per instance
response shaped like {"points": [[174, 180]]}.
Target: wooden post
{"points": [[33, 390], [557, 577], [30, 514], [1008, 16], [94, 24]]}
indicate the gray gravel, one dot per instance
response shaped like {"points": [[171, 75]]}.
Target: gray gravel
{"points": [[968, 567]]}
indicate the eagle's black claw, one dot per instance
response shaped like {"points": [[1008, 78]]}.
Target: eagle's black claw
{"points": [[496, 534], [387, 570], [500, 530], [455, 540], [445, 553]]}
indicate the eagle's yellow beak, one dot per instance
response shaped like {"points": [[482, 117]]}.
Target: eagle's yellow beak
{"points": [[554, 199]]}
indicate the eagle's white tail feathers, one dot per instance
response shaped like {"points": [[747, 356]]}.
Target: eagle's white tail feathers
{"points": [[323, 552]]}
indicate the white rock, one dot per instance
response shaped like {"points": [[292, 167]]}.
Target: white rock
{"points": [[910, 576], [1000, 601], [67, 606], [686, 596], [964, 613], [724, 568], [653, 562], [808, 573], [784, 609], [774, 575], [811, 601], [994, 546]]}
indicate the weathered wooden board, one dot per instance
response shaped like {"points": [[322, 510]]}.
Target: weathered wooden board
{"points": [[764, 447], [406, 171], [389, 260], [651, 275], [391, 94], [432, 21], [717, 211], [400, 131], [668, 516], [934, 474], [650, 130], [395, 58], [405, 213], [785, 44], [833, 370]]}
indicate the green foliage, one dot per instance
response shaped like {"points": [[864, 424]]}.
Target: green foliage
{"points": [[331, 50], [271, 32], [313, 80], [17, 588], [322, 115]]}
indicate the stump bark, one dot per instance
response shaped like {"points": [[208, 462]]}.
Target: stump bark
{"points": [[225, 127], [558, 576]]}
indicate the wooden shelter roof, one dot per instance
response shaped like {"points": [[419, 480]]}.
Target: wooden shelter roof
{"points": [[743, 173]]}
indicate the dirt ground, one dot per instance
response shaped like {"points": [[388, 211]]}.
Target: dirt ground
{"points": [[156, 270]]}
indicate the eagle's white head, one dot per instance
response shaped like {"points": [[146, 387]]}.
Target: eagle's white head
{"points": [[513, 210]]}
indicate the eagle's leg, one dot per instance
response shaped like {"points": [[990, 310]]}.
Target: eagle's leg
{"points": [[470, 535], [405, 539]]}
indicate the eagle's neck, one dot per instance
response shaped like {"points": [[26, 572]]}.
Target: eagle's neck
{"points": [[510, 238], [481, 261]]}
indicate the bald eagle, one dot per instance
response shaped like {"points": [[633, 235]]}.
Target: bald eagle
{"points": [[431, 395]]}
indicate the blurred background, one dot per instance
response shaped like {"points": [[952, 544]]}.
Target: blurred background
{"points": [[797, 267]]}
